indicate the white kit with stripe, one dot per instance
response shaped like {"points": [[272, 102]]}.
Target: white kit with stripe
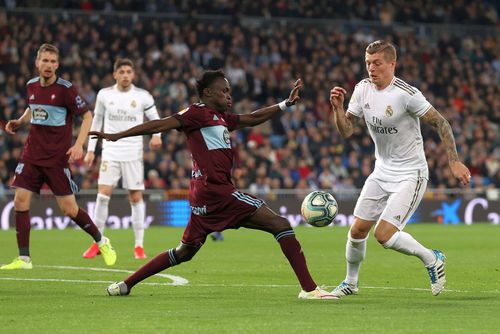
{"points": [[392, 117], [118, 111]]}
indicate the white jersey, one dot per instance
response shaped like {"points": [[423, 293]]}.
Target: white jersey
{"points": [[392, 117], [119, 111]]}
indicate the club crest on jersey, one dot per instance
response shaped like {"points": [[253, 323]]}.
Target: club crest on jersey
{"points": [[40, 114], [389, 111], [53, 96], [133, 104]]}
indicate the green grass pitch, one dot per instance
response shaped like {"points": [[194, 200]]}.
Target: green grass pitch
{"points": [[245, 285]]}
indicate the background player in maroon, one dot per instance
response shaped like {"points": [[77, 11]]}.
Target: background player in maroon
{"points": [[53, 102], [216, 205]]}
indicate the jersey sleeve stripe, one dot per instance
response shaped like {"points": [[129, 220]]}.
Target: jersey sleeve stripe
{"points": [[151, 106], [353, 113], [404, 88], [33, 80], [404, 84], [63, 82]]}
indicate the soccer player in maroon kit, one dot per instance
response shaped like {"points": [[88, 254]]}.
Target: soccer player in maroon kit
{"points": [[52, 104], [216, 205]]}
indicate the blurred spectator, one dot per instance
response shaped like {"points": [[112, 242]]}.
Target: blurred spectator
{"points": [[459, 73]]}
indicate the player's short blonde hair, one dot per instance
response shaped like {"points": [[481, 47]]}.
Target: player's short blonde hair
{"points": [[122, 62], [381, 46], [47, 48]]}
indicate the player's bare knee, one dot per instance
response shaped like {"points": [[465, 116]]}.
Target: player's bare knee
{"points": [[185, 253], [358, 233], [135, 197], [70, 210], [280, 224], [384, 231], [21, 204]]}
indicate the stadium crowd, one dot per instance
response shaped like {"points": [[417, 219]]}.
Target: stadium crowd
{"points": [[459, 75], [482, 12]]}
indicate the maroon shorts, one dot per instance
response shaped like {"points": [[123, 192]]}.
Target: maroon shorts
{"points": [[229, 211], [32, 178]]}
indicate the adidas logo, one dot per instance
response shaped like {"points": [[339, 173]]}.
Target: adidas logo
{"points": [[398, 218], [32, 97], [216, 118], [367, 106]]}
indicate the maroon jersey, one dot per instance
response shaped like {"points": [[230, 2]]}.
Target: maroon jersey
{"points": [[207, 131], [52, 111]]}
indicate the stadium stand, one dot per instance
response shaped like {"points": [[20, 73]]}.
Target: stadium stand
{"points": [[457, 70]]}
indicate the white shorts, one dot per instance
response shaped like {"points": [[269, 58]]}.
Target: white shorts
{"points": [[394, 202], [131, 173]]}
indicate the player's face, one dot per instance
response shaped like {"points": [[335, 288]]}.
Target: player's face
{"points": [[219, 94], [379, 69], [47, 64], [124, 76]]}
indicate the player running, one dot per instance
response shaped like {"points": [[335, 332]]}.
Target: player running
{"points": [[392, 110]]}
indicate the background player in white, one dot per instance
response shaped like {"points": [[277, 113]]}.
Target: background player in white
{"points": [[392, 110], [119, 108]]}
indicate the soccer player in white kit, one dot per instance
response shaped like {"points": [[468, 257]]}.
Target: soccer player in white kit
{"points": [[119, 108], [392, 110]]}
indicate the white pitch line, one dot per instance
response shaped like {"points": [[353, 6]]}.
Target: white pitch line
{"points": [[177, 280], [58, 280]]}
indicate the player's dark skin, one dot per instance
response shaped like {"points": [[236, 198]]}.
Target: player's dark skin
{"points": [[217, 96]]}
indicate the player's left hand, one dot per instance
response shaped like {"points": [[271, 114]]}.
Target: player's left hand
{"points": [[294, 94], [155, 142], [107, 136], [460, 171], [75, 153]]}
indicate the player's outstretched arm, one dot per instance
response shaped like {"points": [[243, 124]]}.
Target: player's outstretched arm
{"points": [[147, 128], [261, 115], [13, 125], [343, 121], [443, 127]]}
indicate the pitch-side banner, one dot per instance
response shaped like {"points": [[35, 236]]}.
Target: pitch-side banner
{"points": [[45, 213]]}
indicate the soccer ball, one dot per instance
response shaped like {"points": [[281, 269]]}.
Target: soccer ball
{"points": [[319, 208]]}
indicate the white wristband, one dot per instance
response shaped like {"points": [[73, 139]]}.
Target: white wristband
{"points": [[282, 105]]}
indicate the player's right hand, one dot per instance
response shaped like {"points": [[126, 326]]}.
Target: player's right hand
{"points": [[294, 94], [337, 95], [89, 158], [12, 126], [107, 136], [461, 172]]}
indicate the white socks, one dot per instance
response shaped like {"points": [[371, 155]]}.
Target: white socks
{"points": [[355, 251], [406, 244], [138, 216], [101, 211]]}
